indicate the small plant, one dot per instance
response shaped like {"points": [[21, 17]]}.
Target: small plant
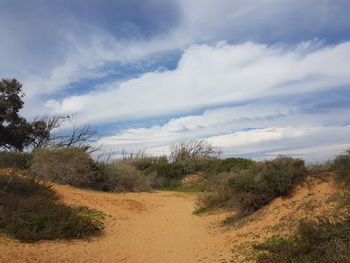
{"points": [[193, 149], [18, 160], [252, 188], [233, 164], [31, 211], [122, 177], [341, 165], [72, 166], [319, 241]]}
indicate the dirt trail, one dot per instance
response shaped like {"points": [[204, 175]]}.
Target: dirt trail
{"points": [[145, 227], [160, 227]]}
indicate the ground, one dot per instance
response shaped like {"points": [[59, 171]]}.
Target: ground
{"points": [[160, 227]]}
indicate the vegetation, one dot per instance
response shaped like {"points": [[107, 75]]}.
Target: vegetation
{"points": [[322, 240], [18, 160], [14, 129], [31, 211], [120, 177], [193, 149], [71, 166], [252, 188], [319, 241], [341, 165]]}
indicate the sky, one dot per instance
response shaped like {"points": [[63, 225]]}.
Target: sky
{"points": [[255, 78]]}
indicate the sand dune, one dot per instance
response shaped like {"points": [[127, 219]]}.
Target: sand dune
{"points": [[160, 227], [140, 227]]}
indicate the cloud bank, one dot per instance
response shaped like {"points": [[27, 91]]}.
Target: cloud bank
{"points": [[255, 78]]}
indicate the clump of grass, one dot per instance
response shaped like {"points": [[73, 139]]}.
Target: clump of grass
{"points": [[254, 187], [72, 166], [17, 160], [341, 165], [121, 177], [233, 164], [319, 241], [31, 211]]}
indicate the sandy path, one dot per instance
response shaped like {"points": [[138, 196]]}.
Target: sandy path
{"points": [[147, 227]]}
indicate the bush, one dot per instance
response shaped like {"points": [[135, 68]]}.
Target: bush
{"points": [[122, 177], [193, 149], [199, 164], [258, 185], [266, 181], [341, 165], [18, 160], [30, 211], [315, 242], [170, 174], [72, 166], [145, 163], [223, 196], [233, 164], [168, 170]]}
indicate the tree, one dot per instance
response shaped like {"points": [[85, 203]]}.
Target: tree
{"points": [[18, 134], [14, 129], [193, 149]]}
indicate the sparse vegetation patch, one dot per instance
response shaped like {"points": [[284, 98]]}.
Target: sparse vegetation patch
{"points": [[31, 211]]}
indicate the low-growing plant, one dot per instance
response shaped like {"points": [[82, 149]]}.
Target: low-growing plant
{"points": [[193, 149], [31, 211], [18, 160], [146, 162], [341, 165], [167, 171], [252, 188], [122, 177], [222, 196], [171, 173], [266, 181], [72, 166], [319, 241], [233, 164]]}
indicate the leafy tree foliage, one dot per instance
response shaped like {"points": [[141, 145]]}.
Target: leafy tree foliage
{"points": [[14, 129], [17, 134]]}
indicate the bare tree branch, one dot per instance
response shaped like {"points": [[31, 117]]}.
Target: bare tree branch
{"points": [[193, 149]]}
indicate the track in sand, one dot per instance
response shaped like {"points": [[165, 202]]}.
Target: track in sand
{"points": [[140, 227]]}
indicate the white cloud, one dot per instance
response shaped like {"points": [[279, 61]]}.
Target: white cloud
{"points": [[215, 75], [275, 129]]}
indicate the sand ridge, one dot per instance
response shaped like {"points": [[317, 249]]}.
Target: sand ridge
{"points": [[160, 227], [140, 227]]}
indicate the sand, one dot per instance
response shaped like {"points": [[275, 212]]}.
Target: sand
{"points": [[160, 227], [140, 227]]}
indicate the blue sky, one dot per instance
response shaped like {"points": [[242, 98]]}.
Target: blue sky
{"points": [[255, 78]]}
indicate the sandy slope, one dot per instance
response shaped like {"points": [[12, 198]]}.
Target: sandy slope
{"points": [[146, 227], [160, 227]]}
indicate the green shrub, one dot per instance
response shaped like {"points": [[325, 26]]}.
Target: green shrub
{"points": [[341, 165], [172, 184], [315, 242], [193, 149], [258, 185], [233, 164], [17, 160], [266, 181], [145, 163], [30, 211], [168, 170], [72, 166], [170, 174], [198, 164], [122, 177], [223, 196]]}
